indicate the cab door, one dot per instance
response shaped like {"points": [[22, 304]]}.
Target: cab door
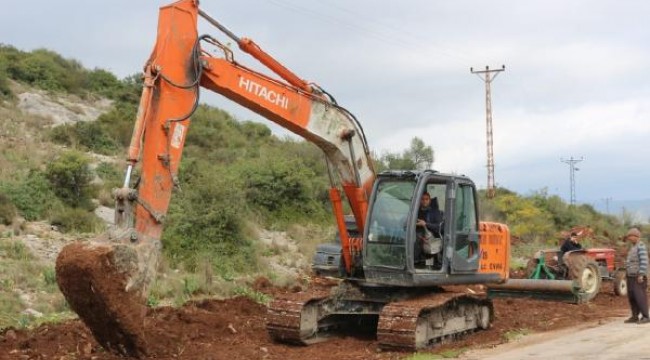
{"points": [[464, 242]]}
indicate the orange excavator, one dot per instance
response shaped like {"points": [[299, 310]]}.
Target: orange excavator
{"points": [[391, 278]]}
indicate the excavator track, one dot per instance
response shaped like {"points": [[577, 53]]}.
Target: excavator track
{"points": [[416, 323], [405, 321], [294, 318]]}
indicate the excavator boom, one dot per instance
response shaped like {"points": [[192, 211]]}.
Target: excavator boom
{"points": [[105, 281]]}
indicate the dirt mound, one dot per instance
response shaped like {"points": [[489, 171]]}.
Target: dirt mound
{"points": [[234, 329]]}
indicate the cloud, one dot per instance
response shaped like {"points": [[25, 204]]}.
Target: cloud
{"points": [[575, 80]]}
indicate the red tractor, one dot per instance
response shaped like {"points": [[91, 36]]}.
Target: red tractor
{"points": [[587, 267]]}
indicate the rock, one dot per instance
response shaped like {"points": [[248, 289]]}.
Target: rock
{"points": [[232, 329], [32, 312]]}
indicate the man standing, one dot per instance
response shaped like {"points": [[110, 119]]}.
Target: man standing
{"points": [[637, 277]]}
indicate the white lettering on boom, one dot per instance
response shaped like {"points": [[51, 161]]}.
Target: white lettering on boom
{"points": [[261, 91]]}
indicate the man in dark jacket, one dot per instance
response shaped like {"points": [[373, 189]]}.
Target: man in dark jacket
{"points": [[430, 218], [570, 244], [636, 266], [429, 215]]}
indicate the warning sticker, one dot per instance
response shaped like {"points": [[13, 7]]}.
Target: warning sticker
{"points": [[177, 136]]}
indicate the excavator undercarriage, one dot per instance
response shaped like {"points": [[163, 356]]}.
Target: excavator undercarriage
{"points": [[406, 319]]}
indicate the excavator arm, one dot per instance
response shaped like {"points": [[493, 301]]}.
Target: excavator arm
{"points": [[176, 70], [105, 281]]}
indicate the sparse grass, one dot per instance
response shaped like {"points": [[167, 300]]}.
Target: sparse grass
{"points": [[77, 220], [515, 334], [176, 286], [23, 134], [520, 253], [308, 237], [256, 296], [75, 108], [14, 250], [10, 307], [27, 283], [445, 354]]}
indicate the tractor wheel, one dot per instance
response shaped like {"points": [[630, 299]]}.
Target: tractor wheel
{"points": [[620, 283], [586, 272]]}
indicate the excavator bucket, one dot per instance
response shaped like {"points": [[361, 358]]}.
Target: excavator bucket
{"points": [[105, 284]]}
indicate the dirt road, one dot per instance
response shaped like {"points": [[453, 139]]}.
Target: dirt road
{"points": [[611, 341]]}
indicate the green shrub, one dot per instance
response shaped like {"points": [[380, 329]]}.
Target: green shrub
{"points": [[32, 195], [108, 135], [284, 189], [102, 82], [76, 220], [89, 135], [118, 123], [49, 276], [205, 221], [50, 71], [7, 210], [70, 176], [110, 173], [5, 90]]}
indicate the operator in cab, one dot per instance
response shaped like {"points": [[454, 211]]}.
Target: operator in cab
{"points": [[429, 215], [428, 228]]}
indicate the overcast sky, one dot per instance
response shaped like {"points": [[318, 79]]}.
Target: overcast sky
{"points": [[576, 81]]}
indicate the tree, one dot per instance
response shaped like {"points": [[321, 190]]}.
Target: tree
{"points": [[418, 156]]}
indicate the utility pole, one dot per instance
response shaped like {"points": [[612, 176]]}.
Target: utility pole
{"points": [[486, 76], [607, 201], [572, 169]]}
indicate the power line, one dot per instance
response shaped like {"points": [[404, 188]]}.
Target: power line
{"points": [[572, 169], [486, 76], [391, 35]]}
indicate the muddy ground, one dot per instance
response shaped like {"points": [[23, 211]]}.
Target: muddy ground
{"points": [[234, 329]]}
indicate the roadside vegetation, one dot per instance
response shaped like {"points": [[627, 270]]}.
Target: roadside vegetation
{"points": [[235, 178]]}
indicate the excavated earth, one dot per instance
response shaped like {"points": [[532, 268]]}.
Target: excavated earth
{"points": [[234, 329]]}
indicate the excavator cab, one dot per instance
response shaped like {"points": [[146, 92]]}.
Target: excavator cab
{"points": [[404, 296], [393, 253]]}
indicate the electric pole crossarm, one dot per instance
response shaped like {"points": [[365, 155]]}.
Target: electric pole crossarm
{"points": [[572, 169]]}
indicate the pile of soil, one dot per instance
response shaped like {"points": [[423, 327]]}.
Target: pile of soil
{"points": [[234, 329]]}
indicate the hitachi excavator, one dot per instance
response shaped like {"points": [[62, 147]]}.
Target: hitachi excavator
{"points": [[409, 292]]}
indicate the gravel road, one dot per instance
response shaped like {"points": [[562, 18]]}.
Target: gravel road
{"points": [[612, 340]]}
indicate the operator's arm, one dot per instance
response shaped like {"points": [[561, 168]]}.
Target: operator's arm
{"points": [[433, 221]]}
